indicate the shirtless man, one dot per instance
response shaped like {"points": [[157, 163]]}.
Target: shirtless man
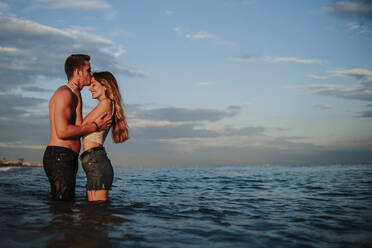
{"points": [[60, 159]]}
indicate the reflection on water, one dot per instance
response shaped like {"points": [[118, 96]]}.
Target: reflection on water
{"points": [[81, 225]]}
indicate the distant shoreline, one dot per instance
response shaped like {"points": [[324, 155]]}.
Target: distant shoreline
{"points": [[19, 164]]}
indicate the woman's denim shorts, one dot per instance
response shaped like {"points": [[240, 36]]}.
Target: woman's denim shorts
{"points": [[98, 169]]}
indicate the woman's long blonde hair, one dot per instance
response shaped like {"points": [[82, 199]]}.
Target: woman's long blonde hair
{"points": [[120, 131]]}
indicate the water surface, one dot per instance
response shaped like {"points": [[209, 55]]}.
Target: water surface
{"points": [[194, 206]]}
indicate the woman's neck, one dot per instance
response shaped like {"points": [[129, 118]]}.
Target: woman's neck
{"points": [[102, 98]]}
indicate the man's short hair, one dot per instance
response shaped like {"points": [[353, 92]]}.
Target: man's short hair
{"points": [[74, 61]]}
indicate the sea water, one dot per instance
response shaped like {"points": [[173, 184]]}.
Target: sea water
{"points": [[194, 206]]}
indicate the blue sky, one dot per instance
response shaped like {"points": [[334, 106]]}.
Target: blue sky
{"points": [[204, 82]]}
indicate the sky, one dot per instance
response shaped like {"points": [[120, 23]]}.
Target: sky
{"points": [[212, 82]]}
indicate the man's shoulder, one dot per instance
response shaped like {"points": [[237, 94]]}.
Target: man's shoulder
{"points": [[63, 92]]}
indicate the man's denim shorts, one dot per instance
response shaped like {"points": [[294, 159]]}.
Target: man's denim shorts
{"points": [[98, 169]]}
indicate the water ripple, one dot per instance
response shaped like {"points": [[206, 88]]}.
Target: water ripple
{"points": [[195, 206]]}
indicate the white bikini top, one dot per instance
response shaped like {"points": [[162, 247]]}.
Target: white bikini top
{"points": [[99, 136]]}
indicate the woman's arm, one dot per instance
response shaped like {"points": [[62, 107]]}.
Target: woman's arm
{"points": [[101, 108]]}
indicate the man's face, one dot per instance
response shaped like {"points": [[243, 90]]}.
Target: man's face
{"points": [[86, 75]]}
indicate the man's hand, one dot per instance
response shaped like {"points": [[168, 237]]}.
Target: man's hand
{"points": [[103, 122]]}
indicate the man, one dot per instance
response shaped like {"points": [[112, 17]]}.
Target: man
{"points": [[60, 159]]}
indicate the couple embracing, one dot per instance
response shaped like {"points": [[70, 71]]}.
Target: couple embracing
{"points": [[67, 126]]}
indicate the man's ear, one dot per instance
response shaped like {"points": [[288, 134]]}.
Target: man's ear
{"points": [[76, 72]]}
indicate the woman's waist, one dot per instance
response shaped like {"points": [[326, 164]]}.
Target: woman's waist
{"points": [[95, 137], [92, 150], [89, 144]]}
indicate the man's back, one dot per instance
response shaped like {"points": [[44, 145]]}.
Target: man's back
{"points": [[65, 106]]}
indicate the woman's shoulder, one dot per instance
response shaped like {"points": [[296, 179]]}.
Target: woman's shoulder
{"points": [[105, 102], [105, 105]]}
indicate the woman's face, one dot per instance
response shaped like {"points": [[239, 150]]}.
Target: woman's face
{"points": [[98, 90]]}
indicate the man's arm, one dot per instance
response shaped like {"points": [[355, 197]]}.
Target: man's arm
{"points": [[63, 114], [79, 111]]}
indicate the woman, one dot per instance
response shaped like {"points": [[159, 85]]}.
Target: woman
{"points": [[94, 159]]}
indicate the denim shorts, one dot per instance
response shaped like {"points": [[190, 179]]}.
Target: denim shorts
{"points": [[61, 165], [98, 169]]}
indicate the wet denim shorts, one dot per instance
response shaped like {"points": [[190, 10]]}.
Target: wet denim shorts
{"points": [[98, 169], [61, 165]]}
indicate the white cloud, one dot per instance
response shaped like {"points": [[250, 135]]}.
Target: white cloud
{"points": [[10, 50], [297, 60], [71, 4], [34, 88], [359, 11], [357, 92], [351, 8], [317, 77], [115, 51], [361, 91], [362, 28], [197, 143], [225, 43], [256, 140], [131, 71], [33, 49], [178, 114], [243, 58], [322, 106], [188, 126], [120, 32], [366, 114], [355, 72], [13, 28], [203, 35], [177, 29], [4, 7], [135, 123], [81, 34], [207, 83], [239, 3], [20, 144]]}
